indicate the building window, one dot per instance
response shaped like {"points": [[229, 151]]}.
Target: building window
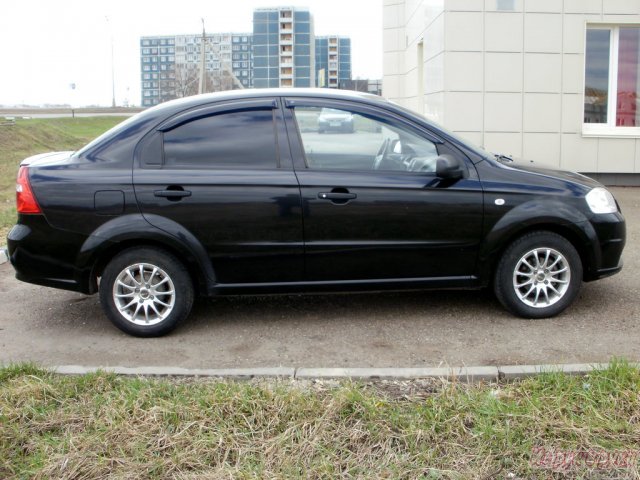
{"points": [[612, 80]]}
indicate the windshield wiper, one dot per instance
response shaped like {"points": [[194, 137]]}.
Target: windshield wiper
{"points": [[503, 158]]}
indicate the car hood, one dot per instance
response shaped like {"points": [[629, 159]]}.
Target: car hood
{"points": [[564, 175], [49, 158]]}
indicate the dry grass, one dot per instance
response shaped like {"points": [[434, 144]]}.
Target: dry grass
{"points": [[30, 137], [101, 425]]}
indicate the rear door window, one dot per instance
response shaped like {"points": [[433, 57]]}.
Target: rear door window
{"points": [[240, 139]]}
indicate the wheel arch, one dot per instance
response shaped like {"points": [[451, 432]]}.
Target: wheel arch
{"points": [[130, 231], [580, 235]]}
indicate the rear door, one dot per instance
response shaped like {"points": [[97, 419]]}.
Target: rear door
{"points": [[224, 174]]}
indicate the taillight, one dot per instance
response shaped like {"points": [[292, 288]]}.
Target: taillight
{"points": [[25, 200]]}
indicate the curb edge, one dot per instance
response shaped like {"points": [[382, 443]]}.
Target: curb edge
{"points": [[466, 374]]}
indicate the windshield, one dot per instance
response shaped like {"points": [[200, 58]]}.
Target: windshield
{"points": [[478, 150]]}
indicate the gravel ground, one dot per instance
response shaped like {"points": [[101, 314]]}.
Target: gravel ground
{"points": [[409, 329]]}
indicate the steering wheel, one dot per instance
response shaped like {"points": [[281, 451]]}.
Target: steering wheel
{"points": [[382, 153]]}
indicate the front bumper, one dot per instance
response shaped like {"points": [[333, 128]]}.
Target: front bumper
{"points": [[611, 236]]}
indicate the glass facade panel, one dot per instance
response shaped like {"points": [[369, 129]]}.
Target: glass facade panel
{"points": [[302, 38], [627, 112], [302, 27], [596, 85], [302, 60], [260, 62], [303, 72]]}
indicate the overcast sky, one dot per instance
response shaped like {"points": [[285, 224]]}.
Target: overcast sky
{"points": [[47, 45]]}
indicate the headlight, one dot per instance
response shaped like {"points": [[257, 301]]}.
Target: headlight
{"points": [[600, 200]]}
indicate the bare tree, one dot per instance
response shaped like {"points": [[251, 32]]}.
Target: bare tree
{"points": [[186, 80]]}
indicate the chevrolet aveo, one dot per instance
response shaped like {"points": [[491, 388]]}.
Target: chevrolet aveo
{"points": [[240, 193]]}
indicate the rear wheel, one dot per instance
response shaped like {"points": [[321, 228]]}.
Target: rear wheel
{"points": [[538, 276], [146, 292]]}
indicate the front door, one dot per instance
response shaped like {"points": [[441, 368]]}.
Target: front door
{"points": [[373, 207]]}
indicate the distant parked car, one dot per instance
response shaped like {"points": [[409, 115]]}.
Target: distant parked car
{"points": [[226, 194], [335, 120]]}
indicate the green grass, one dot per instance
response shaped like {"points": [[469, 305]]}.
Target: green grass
{"points": [[30, 137], [98, 425]]}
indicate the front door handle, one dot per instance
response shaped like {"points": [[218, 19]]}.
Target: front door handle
{"points": [[336, 196]]}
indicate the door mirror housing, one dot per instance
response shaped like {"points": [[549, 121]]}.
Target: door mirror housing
{"points": [[449, 167]]}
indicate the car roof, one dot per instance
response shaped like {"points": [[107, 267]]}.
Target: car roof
{"points": [[206, 98]]}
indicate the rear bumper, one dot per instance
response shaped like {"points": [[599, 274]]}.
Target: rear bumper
{"points": [[46, 256]]}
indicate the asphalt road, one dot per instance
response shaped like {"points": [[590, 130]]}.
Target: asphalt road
{"points": [[410, 329]]}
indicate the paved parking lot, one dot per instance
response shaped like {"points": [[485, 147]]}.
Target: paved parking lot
{"points": [[410, 329]]}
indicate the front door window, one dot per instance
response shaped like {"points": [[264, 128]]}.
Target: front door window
{"points": [[337, 139]]}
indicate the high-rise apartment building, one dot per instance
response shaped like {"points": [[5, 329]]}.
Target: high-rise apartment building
{"points": [[157, 65], [171, 64], [333, 61], [282, 51], [283, 48]]}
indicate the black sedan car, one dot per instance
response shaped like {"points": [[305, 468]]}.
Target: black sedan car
{"points": [[230, 193]]}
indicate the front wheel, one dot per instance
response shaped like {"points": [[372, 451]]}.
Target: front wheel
{"points": [[538, 276], [146, 292]]}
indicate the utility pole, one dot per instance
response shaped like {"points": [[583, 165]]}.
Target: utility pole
{"points": [[201, 86], [113, 76]]}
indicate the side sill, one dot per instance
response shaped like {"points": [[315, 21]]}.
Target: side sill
{"points": [[461, 282]]}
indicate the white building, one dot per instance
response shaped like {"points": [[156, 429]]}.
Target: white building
{"points": [[554, 81], [170, 64]]}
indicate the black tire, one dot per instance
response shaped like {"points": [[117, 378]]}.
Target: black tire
{"points": [[158, 319], [554, 289]]}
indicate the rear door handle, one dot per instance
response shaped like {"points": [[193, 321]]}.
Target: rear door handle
{"points": [[172, 193], [336, 196]]}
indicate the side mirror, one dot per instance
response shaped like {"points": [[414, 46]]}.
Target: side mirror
{"points": [[449, 167]]}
